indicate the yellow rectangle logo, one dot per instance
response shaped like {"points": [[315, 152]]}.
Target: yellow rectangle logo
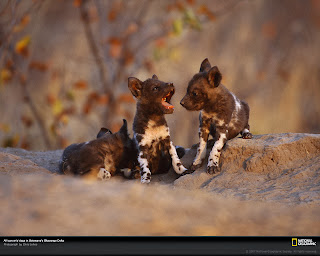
{"points": [[294, 242]]}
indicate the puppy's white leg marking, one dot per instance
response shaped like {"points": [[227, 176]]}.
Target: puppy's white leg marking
{"points": [[103, 174], [126, 172], [145, 171], [245, 131], [201, 152], [176, 163], [216, 151]]}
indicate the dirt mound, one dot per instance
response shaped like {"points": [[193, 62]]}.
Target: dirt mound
{"points": [[269, 185], [281, 167]]}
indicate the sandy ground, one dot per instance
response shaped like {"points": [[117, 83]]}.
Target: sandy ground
{"points": [[269, 185]]}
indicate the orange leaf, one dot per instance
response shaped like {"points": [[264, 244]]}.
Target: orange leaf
{"points": [[93, 14], [128, 58], [269, 30], [24, 143], [81, 84], [112, 15], [93, 96], [160, 43], [114, 12], [23, 22], [285, 75], [203, 9], [11, 141], [178, 5], [27, 121], [22, 46], [115, 47], [115, 50], [41, 66], [5, 127], [103, 99], [126, 98], [51, 99], [87, 107], [115, 40], [77, 3], [5, 75], [132, 28], [9, 64], [191, 2]]}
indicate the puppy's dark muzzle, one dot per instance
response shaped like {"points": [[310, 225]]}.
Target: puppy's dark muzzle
{"points": [[182, 103]]}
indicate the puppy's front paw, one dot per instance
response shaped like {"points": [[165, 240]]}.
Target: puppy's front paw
{"points": [[146, 178], [247, 135], [213, 169], [103, 174], [188, 171], [194, 167]]}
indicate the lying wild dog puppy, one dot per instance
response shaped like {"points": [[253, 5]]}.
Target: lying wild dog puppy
{"points": [[222, 114], [151, 132], [103, 157]]}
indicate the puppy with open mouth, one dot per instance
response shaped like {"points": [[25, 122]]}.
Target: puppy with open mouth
{"points": [[156, 151]]}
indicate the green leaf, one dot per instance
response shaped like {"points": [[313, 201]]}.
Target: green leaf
{"points": [[177, 27], [57, 107], [191, 19]]}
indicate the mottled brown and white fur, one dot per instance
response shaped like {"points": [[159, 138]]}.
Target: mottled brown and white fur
{"points": [[222, 114], [156, 151], [101, 158]]}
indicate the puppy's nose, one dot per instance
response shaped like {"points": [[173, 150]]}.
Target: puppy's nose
{"points": [[182, 102]]}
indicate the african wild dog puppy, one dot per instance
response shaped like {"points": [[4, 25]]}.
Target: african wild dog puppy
{"points": [[101, 158], [222, 114], [151, 132]]}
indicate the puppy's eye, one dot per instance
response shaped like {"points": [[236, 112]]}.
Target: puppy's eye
{"points": [[195, 94], [156, 88]]}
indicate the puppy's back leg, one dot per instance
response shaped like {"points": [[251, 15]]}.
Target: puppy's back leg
{"points": [[245, 133], [103, 174], [131, 173], [202, 148]]}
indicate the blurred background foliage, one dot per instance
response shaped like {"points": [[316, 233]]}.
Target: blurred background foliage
{"points": [[64, 64]]}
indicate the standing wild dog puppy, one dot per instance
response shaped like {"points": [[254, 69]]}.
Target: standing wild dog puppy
{"points": [[222, 114], [101, 158], [151, 132]]}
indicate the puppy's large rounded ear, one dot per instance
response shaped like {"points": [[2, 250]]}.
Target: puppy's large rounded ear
{"points": [[124, 128], [214, 76], [103, 131], [155, 77], [205, 65], [135, 86]]}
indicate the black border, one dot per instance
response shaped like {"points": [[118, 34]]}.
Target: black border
{"points": [[162, 245]]}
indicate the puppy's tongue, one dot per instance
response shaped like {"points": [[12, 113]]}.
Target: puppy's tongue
{"points": [[167, 105]]}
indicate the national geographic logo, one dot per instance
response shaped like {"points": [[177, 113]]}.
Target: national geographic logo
{"points": [[303, 242]]}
